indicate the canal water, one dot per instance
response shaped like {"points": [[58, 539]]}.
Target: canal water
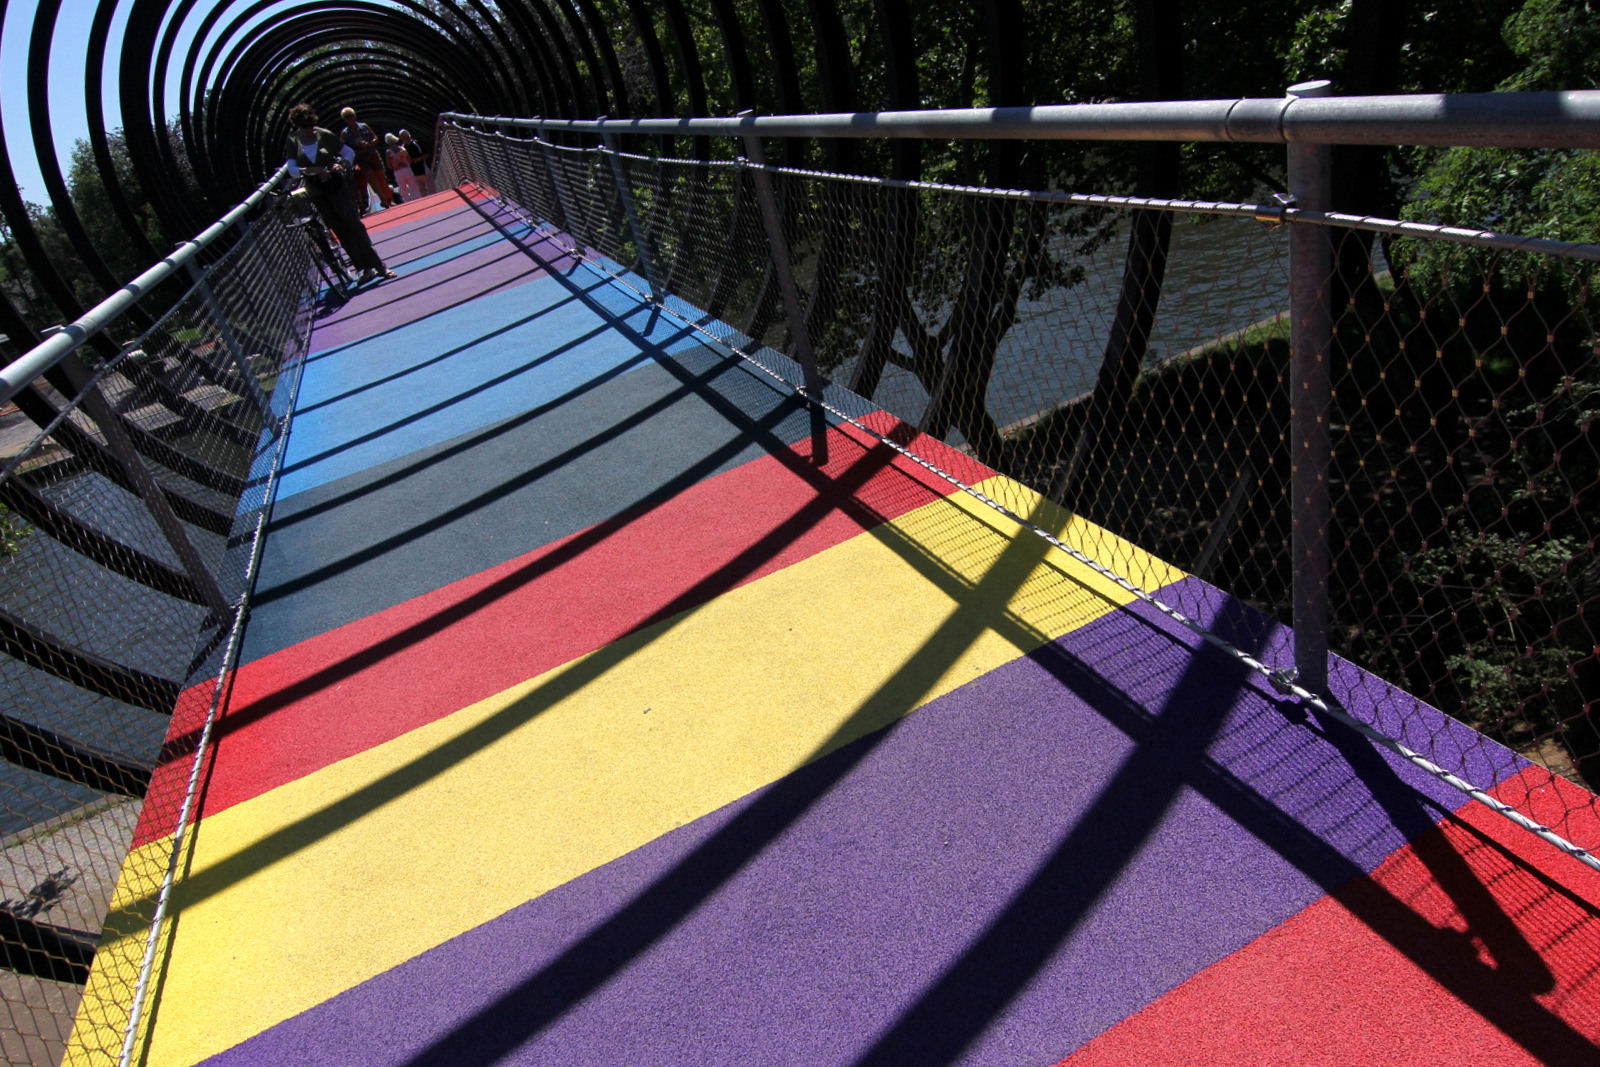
{"points": [[1223, 275]]}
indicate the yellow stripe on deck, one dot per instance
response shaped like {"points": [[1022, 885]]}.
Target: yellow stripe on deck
{"points": [[301, 893]]}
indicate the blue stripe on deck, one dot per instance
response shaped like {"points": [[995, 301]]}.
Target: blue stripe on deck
{"points": [[455, 372]]}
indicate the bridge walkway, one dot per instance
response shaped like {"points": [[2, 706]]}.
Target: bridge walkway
{"points": [[599, 706]]}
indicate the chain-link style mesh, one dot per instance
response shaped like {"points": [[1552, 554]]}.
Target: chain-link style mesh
{"points": [[1130, 359], [115, 613], [1466, 504]]}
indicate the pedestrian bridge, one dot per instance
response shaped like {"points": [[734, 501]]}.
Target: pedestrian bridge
{"points": [[604, 700]]}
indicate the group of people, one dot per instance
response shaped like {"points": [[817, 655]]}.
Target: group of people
{"points": [[336, 170]]}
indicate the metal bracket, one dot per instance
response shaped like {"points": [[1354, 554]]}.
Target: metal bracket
{"points": [[1310, 402], [1272, 216]]}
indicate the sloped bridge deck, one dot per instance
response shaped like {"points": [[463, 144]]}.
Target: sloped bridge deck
{"points": [[597, 707]]}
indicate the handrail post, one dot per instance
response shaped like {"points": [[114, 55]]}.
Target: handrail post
{"points": [[1311, 397], [778, 248], [568, 221], [230, 341], [625, 191], [100, 410]]}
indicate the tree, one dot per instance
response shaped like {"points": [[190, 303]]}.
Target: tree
{"points": [[93, 206], [94, 209], [1542, 192]]}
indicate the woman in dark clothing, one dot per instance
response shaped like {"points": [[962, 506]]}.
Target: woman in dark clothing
{"points": [[419, 162], [320, 160]]}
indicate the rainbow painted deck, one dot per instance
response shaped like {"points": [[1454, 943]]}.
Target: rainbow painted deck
{"points": [[589, 714]]}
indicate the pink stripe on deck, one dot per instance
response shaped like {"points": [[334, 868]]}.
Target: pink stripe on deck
{"points": [[414, 210]]}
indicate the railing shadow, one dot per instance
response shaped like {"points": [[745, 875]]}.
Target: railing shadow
{"points": [[388, 237], [461, 397], [1170, 753], [700, 469], [413, 368], [397, 293]]}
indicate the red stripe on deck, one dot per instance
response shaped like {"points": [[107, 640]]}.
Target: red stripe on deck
{"points": [[1475, 944], [342, 692], [425, 207]]}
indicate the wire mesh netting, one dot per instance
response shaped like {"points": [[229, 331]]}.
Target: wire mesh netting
{"points": [[1465, 500], [131, 481], [1127, 362]]}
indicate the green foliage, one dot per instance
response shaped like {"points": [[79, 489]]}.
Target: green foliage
{"points": [[1456, 46], [1506, 314], [1539, 192], [1557, 40], [1317, 48], [92, 204], [12, 533], [1484, 546], [1498, 593]]}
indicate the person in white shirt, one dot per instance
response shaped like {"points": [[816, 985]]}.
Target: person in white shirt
{"points": [[321, 161], [400, 162]]}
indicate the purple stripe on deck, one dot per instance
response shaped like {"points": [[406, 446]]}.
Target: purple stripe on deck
{"points": [[994, 880], [1419, 725], [378, 309], [401, 244], [429, 234]]}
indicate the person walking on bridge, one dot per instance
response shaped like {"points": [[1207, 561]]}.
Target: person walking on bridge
{"points": [[400, 162], [321, 160], [369, 163], [419, 162]]}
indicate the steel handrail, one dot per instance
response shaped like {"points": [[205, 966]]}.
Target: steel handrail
{"points": [[17, 374], [1505, 120]]}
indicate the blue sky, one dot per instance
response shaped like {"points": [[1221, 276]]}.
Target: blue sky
{"points": [[67, 61]]}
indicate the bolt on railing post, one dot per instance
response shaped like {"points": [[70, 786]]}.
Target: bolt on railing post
{"points": [[1311, 394], [625, 191], [230, 341], [778, 248]]}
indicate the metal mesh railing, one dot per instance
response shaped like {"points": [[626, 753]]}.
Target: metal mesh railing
{"points": [[131, 488], [1465, 498], [1131, 359]]}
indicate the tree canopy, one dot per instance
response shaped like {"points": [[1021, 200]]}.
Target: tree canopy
{"points": [[93, 206]]}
